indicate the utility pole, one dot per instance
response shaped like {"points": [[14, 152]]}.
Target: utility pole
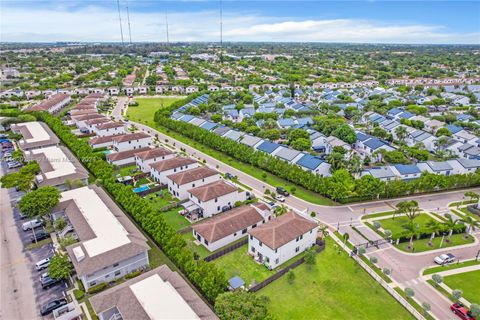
{"points": [[166, 26], [128, 19], [120, 20]]}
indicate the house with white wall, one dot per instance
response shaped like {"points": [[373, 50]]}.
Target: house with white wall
{"points": [[161, 169], [129, 141], [34, 135], [179, 183], [230, 226], [124, 158], [110, 246], [110, 128], [214, 198], [281, 239], [102, 142], [145, 158]]}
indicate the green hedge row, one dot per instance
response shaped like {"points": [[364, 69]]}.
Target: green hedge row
{"points": [[206, 277]]}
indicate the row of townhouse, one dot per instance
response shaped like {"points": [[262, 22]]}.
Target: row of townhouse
{"points": [[303, 159], [414, 171], [462, 143], [109, 245], [52, 104], [432, 82]]}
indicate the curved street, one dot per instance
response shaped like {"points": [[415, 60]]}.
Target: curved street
{"points": [[406, 267]]}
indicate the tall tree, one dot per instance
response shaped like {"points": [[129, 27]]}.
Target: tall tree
{"points": [[242, 305], [39, 202]]}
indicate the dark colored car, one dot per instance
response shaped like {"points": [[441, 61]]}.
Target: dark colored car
{"points": [[282, 191], [39, 235], [51, 305], [48, 282], [229, 176], [461, 311]]}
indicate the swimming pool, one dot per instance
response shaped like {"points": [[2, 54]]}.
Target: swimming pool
{"points": [[141, 189], [107, 151]]}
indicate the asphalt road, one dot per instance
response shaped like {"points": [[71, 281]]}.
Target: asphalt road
{"points": [[407, 267]]}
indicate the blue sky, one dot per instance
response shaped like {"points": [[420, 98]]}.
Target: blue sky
{"points": [[318, 21]]}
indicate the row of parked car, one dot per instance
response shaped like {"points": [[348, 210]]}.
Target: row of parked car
{"points": [[7, 148]]}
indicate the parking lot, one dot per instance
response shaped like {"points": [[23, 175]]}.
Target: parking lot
{"points": [[22, 293]]}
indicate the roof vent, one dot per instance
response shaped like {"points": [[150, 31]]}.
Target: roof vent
{"points": [[79, 254]]}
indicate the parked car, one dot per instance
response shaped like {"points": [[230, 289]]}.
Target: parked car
{"points": [[444, 259], [229, 176], [282, 191], [14, 164], [32, 224], [48, 282], [42, 264], [280, 198], [39, 235], [51, 305], [8, 159], [461, 312]]}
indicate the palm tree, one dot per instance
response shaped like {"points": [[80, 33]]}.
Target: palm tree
{"points": [[433, 226], [281, 209], [323, 230], [346, 236], [401, 133], [450, 225], [473, 196], [412, 230], [471, 223]]}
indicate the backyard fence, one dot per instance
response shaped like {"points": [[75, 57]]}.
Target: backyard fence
{"points": [[185, 230], [151, 190], [228, 249], [281, 272]]}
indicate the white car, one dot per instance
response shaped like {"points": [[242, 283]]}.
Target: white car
{"points": [[42, 264], [280, 198], [32, 224], [13, 164], [444, 259]]}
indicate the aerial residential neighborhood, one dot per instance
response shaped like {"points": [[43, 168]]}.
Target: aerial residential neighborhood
{"points": [[239, 160]]}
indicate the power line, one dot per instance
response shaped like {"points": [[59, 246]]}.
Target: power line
{"points": [[120, 20], [128, 19]]}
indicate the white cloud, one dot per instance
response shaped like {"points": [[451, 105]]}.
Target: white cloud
{"points": [[99, 24]]}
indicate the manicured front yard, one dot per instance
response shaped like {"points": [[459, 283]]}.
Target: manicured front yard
{"points": [[468, 282], [422, 244], [175, 220], [335, 288], [396, 224], [239, 263]]}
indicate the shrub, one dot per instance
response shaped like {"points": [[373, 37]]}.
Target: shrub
{"points": [[97, 288], [133, 274], [373, 260], [78, 294]]}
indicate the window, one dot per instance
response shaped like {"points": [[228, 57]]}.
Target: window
{"points": [[301, 237], [254, 225], [235, 234], [277, 261], [260, 243], [298, 238], [267, 259], [253, 249], [297, 249], [205, 241], [216, 199], [193, 185], [91, 284], [218, 208], [251, 237], [276, 250], [244, 231], [115, 265]]}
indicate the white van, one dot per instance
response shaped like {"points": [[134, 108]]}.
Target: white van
{"points": [[42, 264], [32, 224]]}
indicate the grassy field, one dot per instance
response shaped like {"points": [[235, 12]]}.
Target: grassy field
{"points": [[450, 267], [161, 199], [422, 244], [468, 282], [396, 225], [175, 220], [144, 113], [146, 108], [239, 263], [200, 250], [335, 288]]}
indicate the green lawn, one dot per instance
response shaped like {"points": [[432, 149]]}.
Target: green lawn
{"points": [[147, 107], [145, 115], [239, 263], [422, 244], [468, 213], [396, 225], [160, 199], [414, 303], [468, 282], [175, 220], [199, 249], [450, 267], [335, 288], [377, 215], [128, 171]]}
